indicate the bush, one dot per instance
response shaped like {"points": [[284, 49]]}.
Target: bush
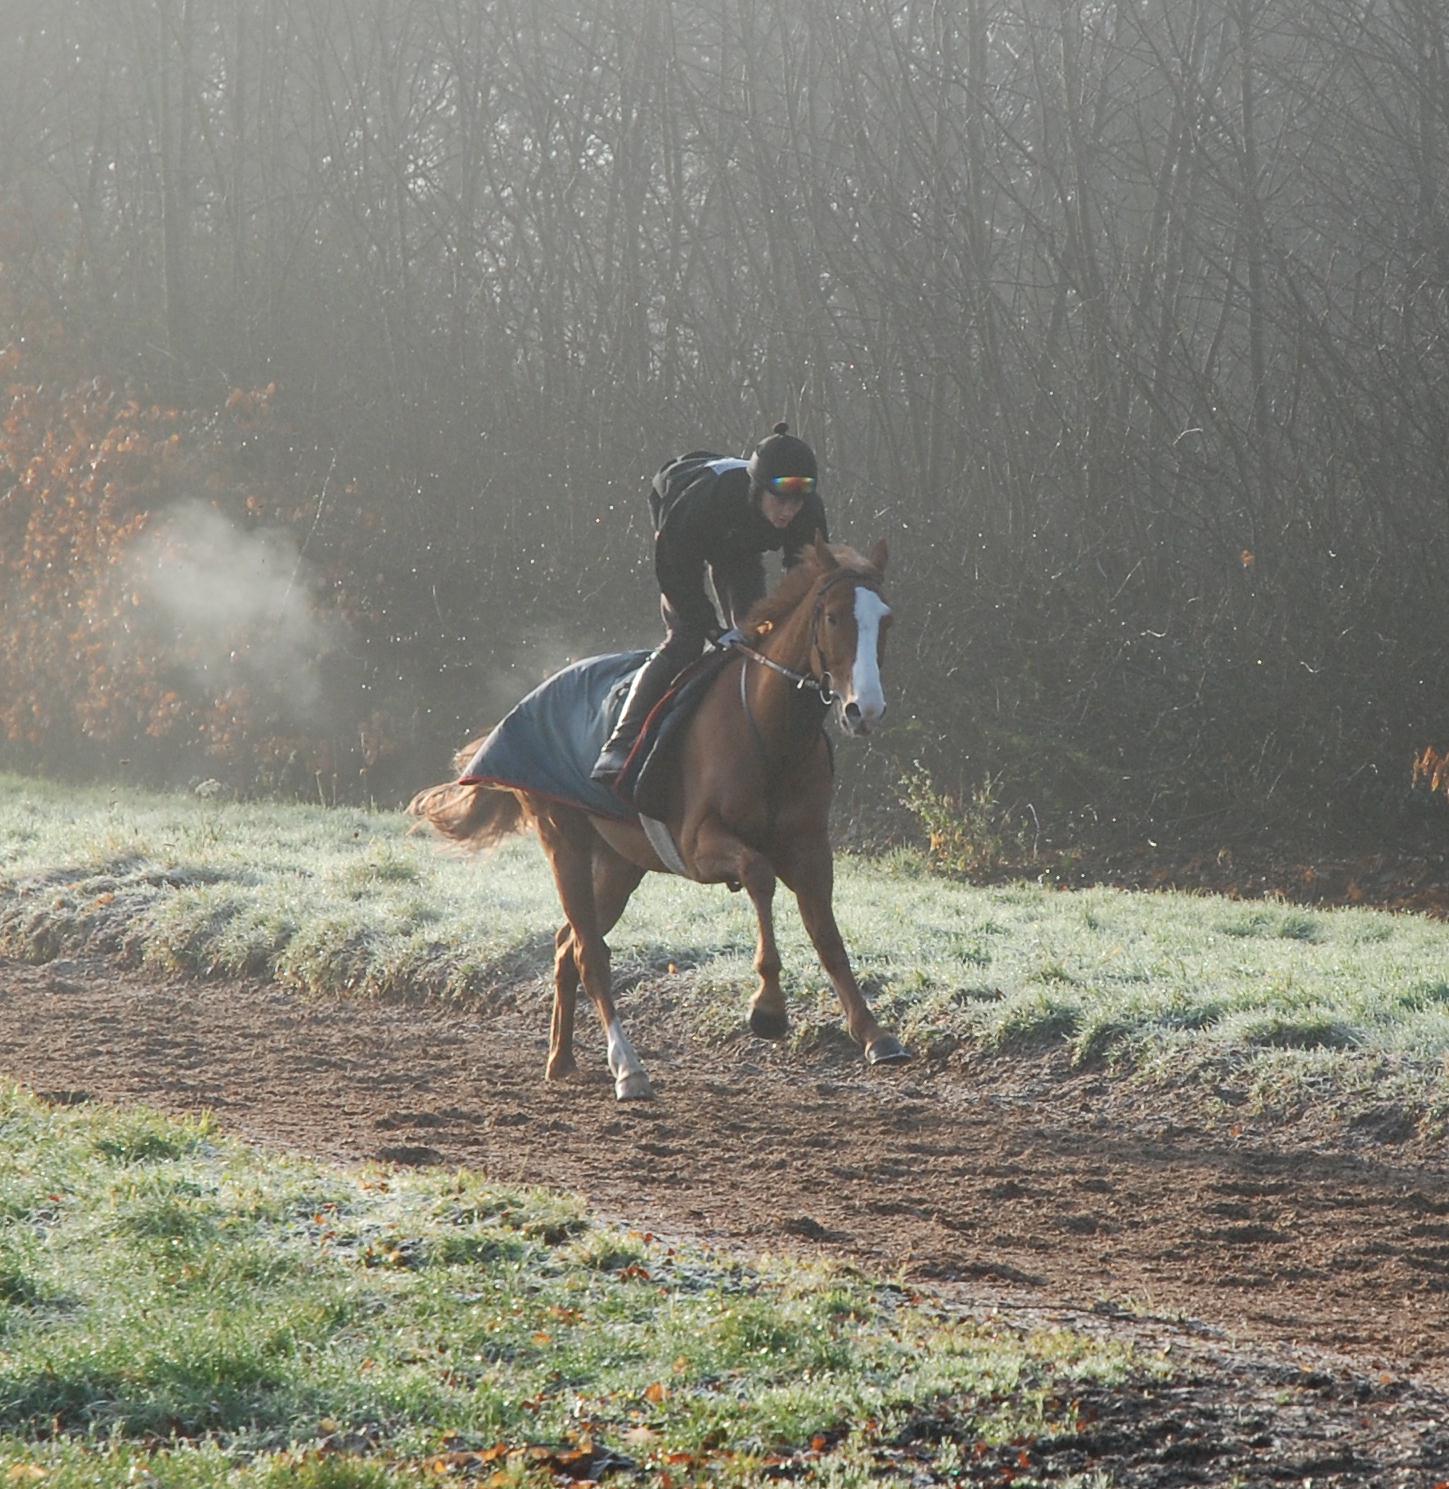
{"points": [[154, 603]]}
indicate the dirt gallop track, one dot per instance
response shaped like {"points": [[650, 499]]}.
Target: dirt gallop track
{"points": [[1024, 1189]]}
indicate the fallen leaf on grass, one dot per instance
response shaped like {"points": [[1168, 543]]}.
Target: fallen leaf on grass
{"points": [[584, 1462]]}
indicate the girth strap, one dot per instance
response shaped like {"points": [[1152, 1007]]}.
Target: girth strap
{"points": [[662, 842]]}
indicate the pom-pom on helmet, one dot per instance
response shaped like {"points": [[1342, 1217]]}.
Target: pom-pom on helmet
{"points": [[783, 464]]}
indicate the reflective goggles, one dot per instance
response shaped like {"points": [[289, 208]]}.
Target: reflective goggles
{"points": [[801, 486]]}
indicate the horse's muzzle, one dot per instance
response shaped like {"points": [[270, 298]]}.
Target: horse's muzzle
{"points": [[855, 721]]}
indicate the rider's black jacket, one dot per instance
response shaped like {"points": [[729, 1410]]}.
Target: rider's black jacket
{"points": [[704, 518]]}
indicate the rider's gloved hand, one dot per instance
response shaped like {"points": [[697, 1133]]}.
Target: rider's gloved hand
{"points": [[732, 637]]}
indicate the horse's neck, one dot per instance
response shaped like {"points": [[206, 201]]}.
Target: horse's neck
{"points": [[789, 643], [781, 704]]}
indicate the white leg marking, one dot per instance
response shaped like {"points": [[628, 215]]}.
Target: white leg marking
{"points": [[866, 691], [631, 1083]]}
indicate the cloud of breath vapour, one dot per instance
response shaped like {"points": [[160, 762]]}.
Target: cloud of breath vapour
{"points": [[237, 608]]}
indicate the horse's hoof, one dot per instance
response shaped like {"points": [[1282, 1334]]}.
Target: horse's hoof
{"points": [[634, 1087], [886, 1049], [765, 1023], [563, 1070]]}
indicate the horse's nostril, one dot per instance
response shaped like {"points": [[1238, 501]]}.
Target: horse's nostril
{"points": [[852, 711]]}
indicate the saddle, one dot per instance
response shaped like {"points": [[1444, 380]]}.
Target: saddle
{"points": [[643, 781]]}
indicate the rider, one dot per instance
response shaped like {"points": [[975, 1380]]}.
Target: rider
{"points": [[720, 515]]}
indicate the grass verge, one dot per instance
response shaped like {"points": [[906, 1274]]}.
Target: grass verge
{"points": [[1304, 1005], [177, 1309]]}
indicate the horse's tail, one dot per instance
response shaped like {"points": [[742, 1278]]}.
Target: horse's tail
{"points": [[474, 817]]}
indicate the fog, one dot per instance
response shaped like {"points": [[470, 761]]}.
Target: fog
{"points": [[1128, 328]]}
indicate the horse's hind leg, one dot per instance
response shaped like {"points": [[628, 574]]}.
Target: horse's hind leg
{"points": [[614, 880], [570, 855], [561, 1060]]}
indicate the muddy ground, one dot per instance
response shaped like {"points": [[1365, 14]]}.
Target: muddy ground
{"points": [[1297, 1279]]}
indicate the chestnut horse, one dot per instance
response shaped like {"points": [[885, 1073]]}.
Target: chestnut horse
{"points": [[747, 803]]}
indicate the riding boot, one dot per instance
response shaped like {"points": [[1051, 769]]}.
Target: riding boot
{"points": [[650, 684]]}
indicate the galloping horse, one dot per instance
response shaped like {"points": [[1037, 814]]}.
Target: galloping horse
{"points": [[747, 802]]}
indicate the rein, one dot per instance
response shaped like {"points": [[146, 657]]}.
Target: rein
{"points": [[823, 685], [802, 680]]}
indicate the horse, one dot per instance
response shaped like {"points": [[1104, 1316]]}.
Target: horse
{"points": [[746, 799]]}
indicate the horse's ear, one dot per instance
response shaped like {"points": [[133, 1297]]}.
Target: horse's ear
{"points": [[879, 553], [823, 556]]}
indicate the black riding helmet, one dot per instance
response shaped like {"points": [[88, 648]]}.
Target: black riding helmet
{"points": [[782, 455]]}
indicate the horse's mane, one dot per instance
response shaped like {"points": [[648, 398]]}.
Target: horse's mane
{"points": [[786, 597]]}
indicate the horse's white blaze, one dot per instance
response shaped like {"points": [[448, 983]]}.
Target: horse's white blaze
{"points": [[866, 691]]}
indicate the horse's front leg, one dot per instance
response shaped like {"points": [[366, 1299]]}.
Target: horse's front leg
{"points": [[718, 854], [809, 871]]}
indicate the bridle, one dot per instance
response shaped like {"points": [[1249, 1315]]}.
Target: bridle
{"points": [[820, 683], [802, 680]]}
